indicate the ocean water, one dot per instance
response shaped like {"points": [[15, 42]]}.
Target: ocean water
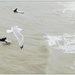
{"points": [[49, 37]]}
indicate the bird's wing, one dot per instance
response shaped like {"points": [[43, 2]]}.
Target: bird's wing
{"points": [[18, 35]]}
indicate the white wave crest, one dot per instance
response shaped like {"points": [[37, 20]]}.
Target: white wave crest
{"points": [[64, 42]]}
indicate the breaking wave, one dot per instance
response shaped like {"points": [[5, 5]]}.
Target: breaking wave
{"points": [[65, 42]]}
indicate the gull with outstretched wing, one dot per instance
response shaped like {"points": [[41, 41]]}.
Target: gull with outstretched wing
{"points": [[18, 35]]}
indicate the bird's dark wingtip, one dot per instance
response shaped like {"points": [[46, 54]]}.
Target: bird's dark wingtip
{"points": [[21, 47]]}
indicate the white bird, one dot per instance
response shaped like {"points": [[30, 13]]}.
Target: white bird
{"points": [[18, 35]]}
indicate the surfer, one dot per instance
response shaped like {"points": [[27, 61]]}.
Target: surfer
{"points": [[15, 10], [4, 40]]}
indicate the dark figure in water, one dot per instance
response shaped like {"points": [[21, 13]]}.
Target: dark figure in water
{"points": [[4, 40], [15, 10]]}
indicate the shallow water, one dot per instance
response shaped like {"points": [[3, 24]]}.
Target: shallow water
{"points": [[41, 54]]}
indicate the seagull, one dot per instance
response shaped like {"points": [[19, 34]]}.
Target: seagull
{"points": [[17, 11], [19, 36]]}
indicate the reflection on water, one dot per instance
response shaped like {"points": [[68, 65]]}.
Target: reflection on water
{"points": [[62, 53]]}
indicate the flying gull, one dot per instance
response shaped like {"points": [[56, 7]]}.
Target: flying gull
{"points": [[18, 35]]}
